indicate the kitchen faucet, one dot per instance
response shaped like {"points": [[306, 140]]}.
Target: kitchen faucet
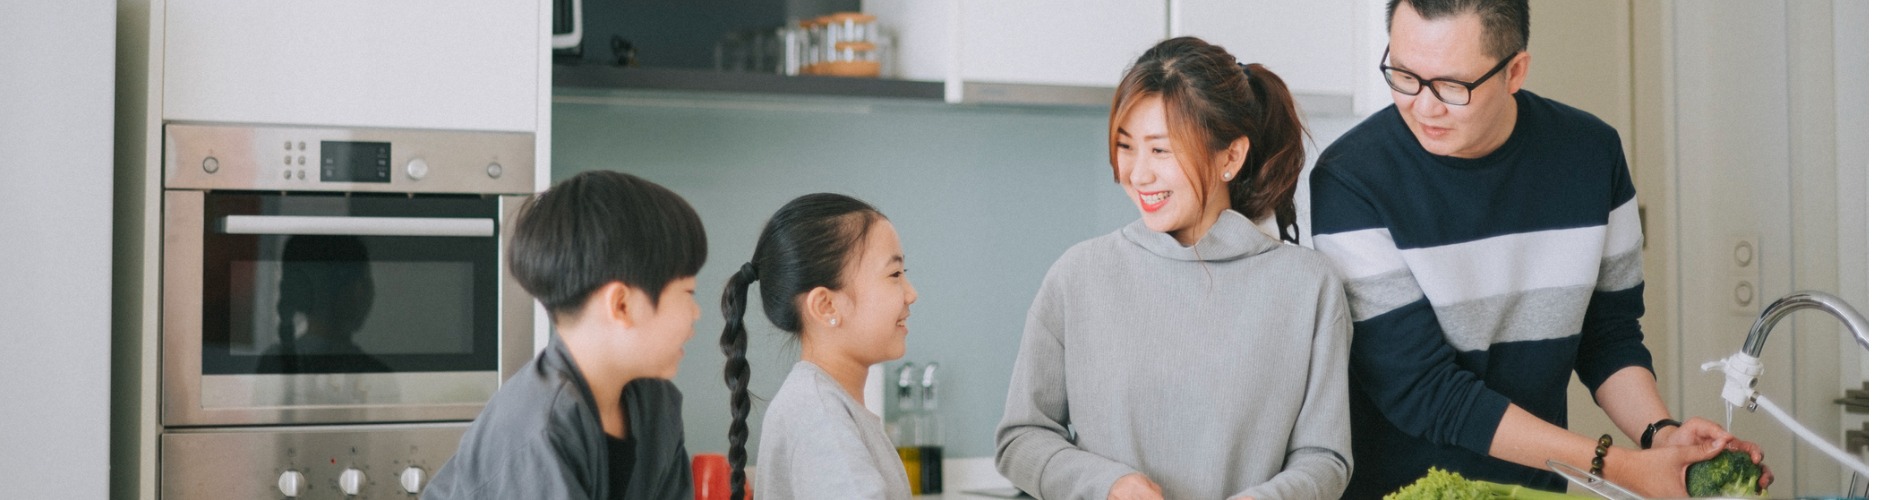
{"points": [[1743, 368], [1758, 335]]}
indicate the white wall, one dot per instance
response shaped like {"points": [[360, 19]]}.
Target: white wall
{"points": [[1770, 132], [56, 95]]}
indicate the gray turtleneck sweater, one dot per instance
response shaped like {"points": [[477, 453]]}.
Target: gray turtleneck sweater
{"points": [[1217, 370]]}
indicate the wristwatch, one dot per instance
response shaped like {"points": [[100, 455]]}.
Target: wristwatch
{"points": [[1649, 433]]}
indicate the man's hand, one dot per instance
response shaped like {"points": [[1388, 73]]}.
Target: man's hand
{"points": [[1700, 432], [1134, 487], [1657, 472]]}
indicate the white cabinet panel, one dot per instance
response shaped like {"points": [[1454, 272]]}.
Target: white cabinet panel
{"points": [[1056, 42], [1309, 44], [439, 64]]}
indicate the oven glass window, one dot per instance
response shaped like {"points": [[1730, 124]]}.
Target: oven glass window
{"points": [[283, 298]]}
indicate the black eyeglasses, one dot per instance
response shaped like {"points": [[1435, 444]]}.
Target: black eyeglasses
{"points": [[1449, 91]]}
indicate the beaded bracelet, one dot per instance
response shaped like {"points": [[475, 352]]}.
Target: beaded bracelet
{"points": [[1603, 448]]}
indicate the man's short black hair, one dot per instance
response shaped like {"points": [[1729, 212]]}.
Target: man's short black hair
{"points": [[599, 227], [1507, 23]]}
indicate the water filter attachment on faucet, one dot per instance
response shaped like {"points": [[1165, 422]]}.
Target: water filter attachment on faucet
{"points": [[1741, 371]]}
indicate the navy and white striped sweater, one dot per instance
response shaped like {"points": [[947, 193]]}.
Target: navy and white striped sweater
{"points": [[1475, 283]]}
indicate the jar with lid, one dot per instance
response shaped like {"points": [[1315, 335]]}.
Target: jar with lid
{"points": [[853, 49]]}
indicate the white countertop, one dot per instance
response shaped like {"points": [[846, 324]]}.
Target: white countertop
{"points": [[961, 475]]}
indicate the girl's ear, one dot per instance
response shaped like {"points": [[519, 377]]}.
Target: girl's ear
{"points": [[821, 307]]}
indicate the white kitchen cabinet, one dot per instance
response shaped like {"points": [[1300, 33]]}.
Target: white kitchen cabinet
{"points": [[1056, 42], [1306, 43], [1319, 48], [356, 63]]}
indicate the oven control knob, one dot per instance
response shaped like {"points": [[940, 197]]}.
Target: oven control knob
{"points": [[412, 480], [417, 168], [290, 483], [210, 164], [351, 481], [494, 170]]}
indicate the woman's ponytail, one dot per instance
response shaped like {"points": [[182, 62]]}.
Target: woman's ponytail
{"points": [[738, 372], [1277, 150]]}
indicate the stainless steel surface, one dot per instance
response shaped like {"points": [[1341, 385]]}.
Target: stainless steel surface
{"points": [[189, 398], [280, 158], [1808, 299], [516, 317], [248, 462], [1591, 482], [357, 226], [1031, 94]]}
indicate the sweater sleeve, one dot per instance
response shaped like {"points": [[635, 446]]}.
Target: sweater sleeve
{"points": [[1033, 448], [1319, 454], [1612, 334], [1400, 358]]}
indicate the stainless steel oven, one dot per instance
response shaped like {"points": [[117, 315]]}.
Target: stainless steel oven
{"points": [[334, 308]]}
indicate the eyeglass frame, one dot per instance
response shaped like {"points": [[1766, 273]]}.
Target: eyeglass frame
{"points": [[1432, 84]]}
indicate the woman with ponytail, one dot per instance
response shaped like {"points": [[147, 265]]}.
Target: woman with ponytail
{"points": [[830, 272], [1198, 352]]}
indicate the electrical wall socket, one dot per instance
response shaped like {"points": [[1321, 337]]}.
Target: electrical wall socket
{"points": [[1743, 294]]}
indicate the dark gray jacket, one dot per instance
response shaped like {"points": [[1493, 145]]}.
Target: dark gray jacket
{"points": [[540, 437]]}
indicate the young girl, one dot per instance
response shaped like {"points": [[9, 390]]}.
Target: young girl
{"points": [[1191, 352], [831, 272]]}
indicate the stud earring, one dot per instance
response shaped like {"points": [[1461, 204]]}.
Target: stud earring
{"points": [[1227, 176], [834, 321]]}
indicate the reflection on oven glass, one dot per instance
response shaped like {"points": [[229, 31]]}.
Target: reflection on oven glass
{"points": [[323, 297]]}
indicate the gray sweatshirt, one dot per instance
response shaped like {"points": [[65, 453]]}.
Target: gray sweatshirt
{"points": [[1216, 370], [819, 444]]}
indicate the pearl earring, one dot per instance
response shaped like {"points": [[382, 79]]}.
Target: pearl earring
{"points": [[834, 321], [1227, 176]]}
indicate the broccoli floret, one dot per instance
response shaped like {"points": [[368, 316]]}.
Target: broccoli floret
{"points": [[1730, 474], [1441, 485]]}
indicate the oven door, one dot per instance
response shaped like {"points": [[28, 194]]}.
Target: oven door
{"points": [[315, 308]]}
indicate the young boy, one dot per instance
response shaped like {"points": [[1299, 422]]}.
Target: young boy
{"points": [[613, 258]]}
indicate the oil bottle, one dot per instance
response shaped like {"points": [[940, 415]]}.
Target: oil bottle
{"points": [[929, 479]]}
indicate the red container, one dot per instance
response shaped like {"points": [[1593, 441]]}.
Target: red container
{"points": [[712, 478]]}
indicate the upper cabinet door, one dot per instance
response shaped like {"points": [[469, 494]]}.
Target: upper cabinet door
{"points": [[436, 64], [1309, 44], [1056, 42]]}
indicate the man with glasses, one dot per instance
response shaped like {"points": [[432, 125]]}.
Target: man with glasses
{"points": [[1491, 246]]}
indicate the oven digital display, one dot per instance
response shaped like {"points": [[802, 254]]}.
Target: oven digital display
{"points": [[355, 161]]}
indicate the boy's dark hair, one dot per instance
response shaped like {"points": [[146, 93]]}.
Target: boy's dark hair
{"points": [[1507, 23], [599, 227], [805, 245]]}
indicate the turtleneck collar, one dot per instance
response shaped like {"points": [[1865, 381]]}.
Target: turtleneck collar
{"points": [[1232, 237]]}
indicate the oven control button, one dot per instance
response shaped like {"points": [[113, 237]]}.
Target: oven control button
{"points": [[412, 480], [351, 481], [417, 168], [290, 483], [210, 164], [494, 170]]}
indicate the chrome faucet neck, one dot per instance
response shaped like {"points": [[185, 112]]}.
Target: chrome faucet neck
{"points": [[1807, 299]]}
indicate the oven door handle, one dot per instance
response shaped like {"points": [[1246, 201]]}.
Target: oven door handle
{"points": [[357, 226]]}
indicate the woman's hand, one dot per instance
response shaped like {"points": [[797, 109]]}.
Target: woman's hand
{"points": [[1134, 487], [1657, 472]]}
